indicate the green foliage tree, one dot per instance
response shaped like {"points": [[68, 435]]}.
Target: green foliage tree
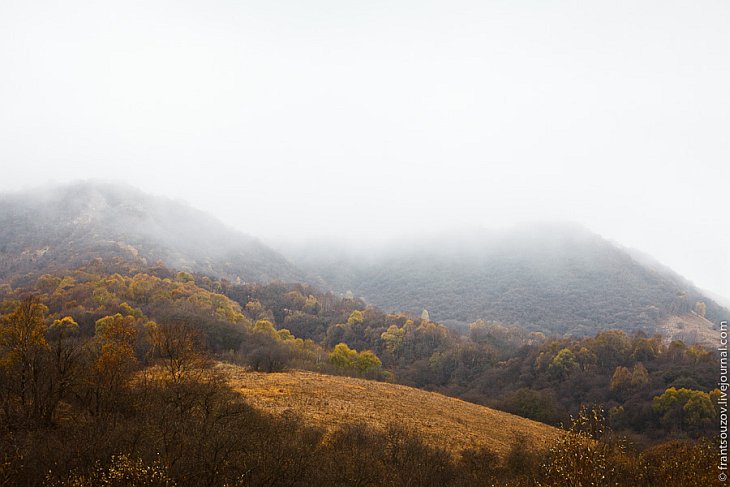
{"points": [[366, 361], [393, 339], [684, 409], [345, 358], [563, 363], [342, 356]]}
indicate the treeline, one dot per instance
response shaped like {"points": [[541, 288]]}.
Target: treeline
{"points": [[139, 403], [242, 330]]}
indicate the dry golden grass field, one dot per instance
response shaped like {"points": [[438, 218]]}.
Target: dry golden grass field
{"points": [[329, 401]]}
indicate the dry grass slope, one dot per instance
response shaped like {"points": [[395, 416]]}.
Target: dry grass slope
{"points": [[329, 401], [690, 328]]}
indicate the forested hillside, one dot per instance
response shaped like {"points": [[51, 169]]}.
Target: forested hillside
{"points": [[550, 278], [555, 279], [107, 379], [278, 326], [102, 341], [66, 226]]}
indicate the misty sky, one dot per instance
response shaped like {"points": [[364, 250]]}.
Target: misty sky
{"points": [[372, 119]]}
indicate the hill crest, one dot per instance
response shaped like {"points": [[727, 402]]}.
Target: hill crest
{"points": [[557, 279], [69, 225], [330, 401]]}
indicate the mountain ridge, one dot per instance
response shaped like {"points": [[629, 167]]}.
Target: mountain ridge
{"points": [[554, 278], [70, 224], [557, 279]]}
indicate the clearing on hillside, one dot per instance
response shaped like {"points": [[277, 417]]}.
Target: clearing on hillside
{"points": [[690, 328], [330, 401]]}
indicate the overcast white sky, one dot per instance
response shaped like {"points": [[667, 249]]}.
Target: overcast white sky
{"points": [[302, 118]]}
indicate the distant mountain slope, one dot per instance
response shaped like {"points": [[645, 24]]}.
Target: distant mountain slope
{"points": [[331, 401], [553, 278], [68, 225]]}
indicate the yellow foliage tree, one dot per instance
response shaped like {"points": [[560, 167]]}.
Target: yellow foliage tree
{"points": [[366, 361], [23, 346], [356, 318], [393, 338], [346, 358], [115, 360], [342, 356]]}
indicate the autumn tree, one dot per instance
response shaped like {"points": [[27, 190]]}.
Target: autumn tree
{"points": [[115, 359], [366, 361], [345, 358], [563, 363], [681, 463], [267, 349], [393, 339], [639, 376], [121, 470], [684, 409], [611, 347], [67, 351], [621, 379], [23, 349], [311, 305], [342, 356], [626, 380], [356, 318], [177, 347], [256, 311]]}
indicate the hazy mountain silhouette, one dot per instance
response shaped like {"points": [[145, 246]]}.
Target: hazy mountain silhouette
{"points": [[65, 226], [551, 277], [554, 278]]}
